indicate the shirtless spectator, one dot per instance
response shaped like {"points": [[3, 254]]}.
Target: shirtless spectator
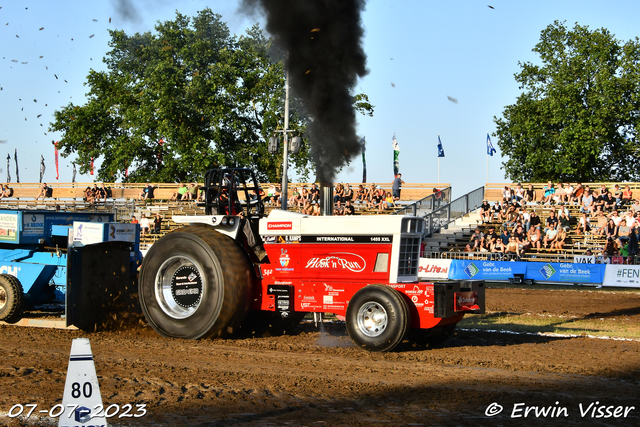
{"points": [[485, 211], [627, 196]]}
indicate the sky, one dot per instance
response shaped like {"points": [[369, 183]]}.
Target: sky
{"points": [[435, 68]]}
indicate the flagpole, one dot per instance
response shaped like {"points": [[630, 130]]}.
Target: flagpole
{"points": [[487, 180], [438, 170]]}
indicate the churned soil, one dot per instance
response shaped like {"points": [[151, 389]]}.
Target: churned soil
{"points": [[317, 377]]}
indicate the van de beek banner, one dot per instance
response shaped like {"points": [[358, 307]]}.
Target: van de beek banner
{"points": [[538, 271]]}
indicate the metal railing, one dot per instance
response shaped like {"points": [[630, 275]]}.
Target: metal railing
{"points": [[439, 212]]}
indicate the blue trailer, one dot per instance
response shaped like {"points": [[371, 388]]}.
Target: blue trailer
{"points": [[34, 248]]}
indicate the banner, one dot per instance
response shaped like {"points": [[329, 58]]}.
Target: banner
{"points": [[363, 144], [565, 272], [485, 270], [537, 271], [440, 149], [584, 259], [396, 156], [15, 157], [55, 153], [434, 268], [42, 167], [490, 149], [627, 276]]}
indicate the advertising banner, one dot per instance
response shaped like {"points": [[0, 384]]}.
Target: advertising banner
{"points": [[485, 270], [565, 272], [584, 259], [434, 269], [627, 276]]}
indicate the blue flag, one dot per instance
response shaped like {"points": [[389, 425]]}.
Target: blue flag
{"points": [[440, 149], [490, 149]]}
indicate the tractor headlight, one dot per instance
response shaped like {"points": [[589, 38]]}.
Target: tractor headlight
{"points": [[225, 220], [232, 221]]}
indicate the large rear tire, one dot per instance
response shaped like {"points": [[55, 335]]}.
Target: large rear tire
{"points": [[195, 283], [11, 298], [377, 318]]}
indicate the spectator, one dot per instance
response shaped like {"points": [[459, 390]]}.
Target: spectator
{"points": [[315, 194], [525, 217], [89, 195], [496, 247], [623, 231], [348, 208], [548, 191], [635, 206], [145, 224], [339, 193], [512, 248], [505, 236], [550, 235], [6, 192], [583, 225], [476, 240], [192, 191], [180, 193], [507, 194], [396, 186], [576, 197], [558, 196], [518, 194], [338, 209], [485, 212], [568, 193], [348, 193], [134, 220], [534, 237], [551, 221], [44, 189], [361, 195], [147, 192], [610, 230], [390, 201], [512, 216], [558, 243], [627, 196], [530, 195], [600, 227], [157, 224], [587, 202], [316, 208], [535, 220], [294, 199], [617, 194], [521, 238], [616, 219], [491, 234], [565, 222]]}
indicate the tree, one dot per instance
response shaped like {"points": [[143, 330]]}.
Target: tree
{"points": [[178, 102], [578, 116]]}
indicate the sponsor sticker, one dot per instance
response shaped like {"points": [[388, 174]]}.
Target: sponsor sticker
{"points": [[280, 225]]}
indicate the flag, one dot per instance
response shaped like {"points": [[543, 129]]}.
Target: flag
{"points": [[91, 173], [364, 161], [396, 155], [8, 172], [73, 177], [15, 157], [42, 167], [490, 149], [55, 153], [440, 149]]}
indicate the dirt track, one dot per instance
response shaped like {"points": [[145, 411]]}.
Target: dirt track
{"points": [[317, 379]]}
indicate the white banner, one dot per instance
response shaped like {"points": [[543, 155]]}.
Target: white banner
{"points": [[433, 268], [627, 276], [584, 259]]}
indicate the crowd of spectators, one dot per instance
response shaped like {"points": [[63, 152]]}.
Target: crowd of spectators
{"points": [[609, 216]]}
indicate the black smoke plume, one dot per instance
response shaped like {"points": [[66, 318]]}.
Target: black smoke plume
{"points": [[323, 41]]}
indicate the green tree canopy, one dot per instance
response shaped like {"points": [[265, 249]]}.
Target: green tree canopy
{"points": [[578, 116], [177, 102]]}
